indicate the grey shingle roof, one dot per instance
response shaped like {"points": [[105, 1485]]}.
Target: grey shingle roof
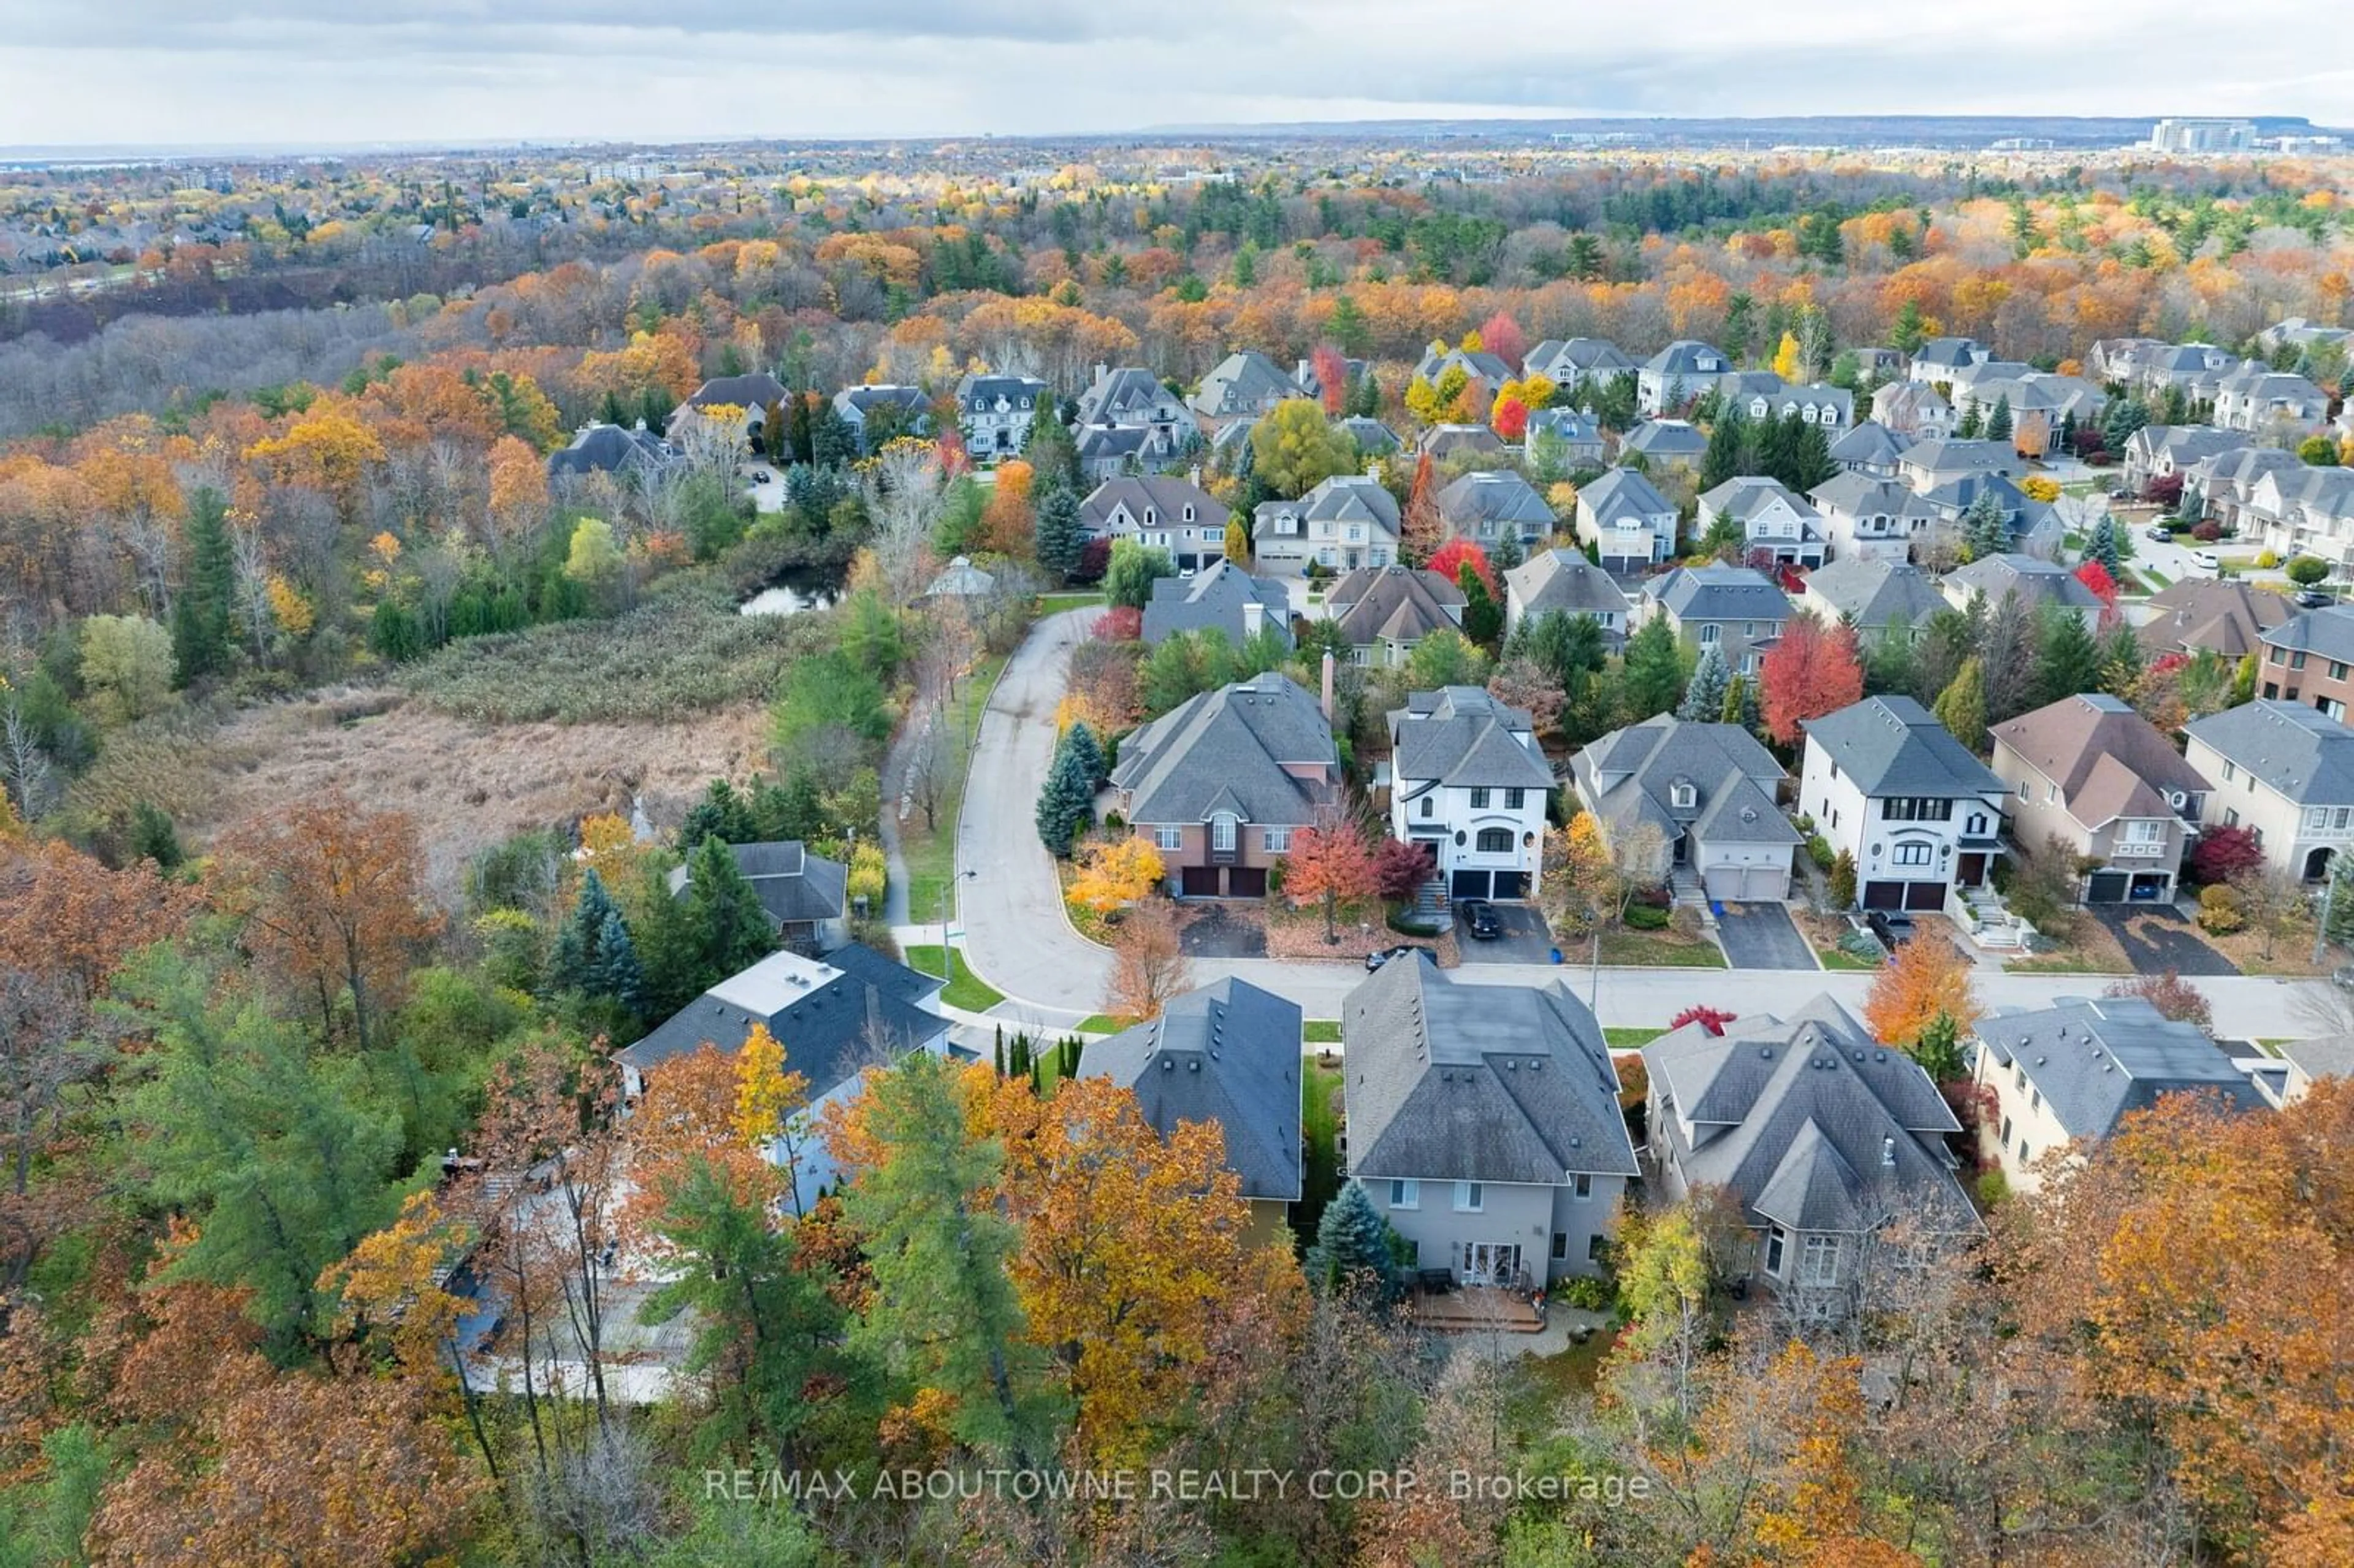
{"points": [[1719, 593], [1241, 383], [1227, 1053], [792, 885], [2036, 581], [1442, 441], [1497, 495], [1667, 440], [1876, 593], [821, 1013], [1686, 356], [2228, 616], [609, 449], [2300, 751], [1811, 1123], [1463, 737], [1588, 356], [2329, 631], [1870, 443], [1958, 456], [1219, 597], [1892, 745], [1623, 492], [2095, 1059], [757, 390], [1232, 741], [1478, 1083], [1564, 579], [1373, 437], [1629, 775], [1122, 395], [1166, 495], [1399, 603], [978, 394]]}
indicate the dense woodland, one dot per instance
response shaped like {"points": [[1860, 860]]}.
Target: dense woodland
{"points": [[267, 1074]]}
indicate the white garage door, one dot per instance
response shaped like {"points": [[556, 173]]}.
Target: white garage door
{"points": [[1741, 884]]}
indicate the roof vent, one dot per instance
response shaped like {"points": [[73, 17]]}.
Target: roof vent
{"points": [[1168, 1064], [1511, 1066], [1859, 1056], [1888, 1151], [1537, 1067], [1880, 1056], [1576, 1141], [1194, 1065], [1767, 1051]]}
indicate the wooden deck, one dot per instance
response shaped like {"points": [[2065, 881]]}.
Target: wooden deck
{"points": [[1474, 1308]]}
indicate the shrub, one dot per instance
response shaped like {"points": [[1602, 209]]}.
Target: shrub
{"points": [[1843, 880], [1647, 917], [2222, 854], [1991, 1187], [2266, 560], [2219, 911], [1654, 897], [1818, 849], [2307, 570], [2207, 532], [1590, 1294]]}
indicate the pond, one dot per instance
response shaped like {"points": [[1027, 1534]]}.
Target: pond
{"points": [[790, 597]]}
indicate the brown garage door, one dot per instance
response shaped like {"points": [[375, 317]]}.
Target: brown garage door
{"points": [[1246, 882], [1883, 895], [1925, 895], [1199, 882]]}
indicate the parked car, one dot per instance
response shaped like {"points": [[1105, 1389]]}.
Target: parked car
{"points": [[2207, 560], [1376, 961], [2121, 496], [1480, 919], [1893, 930], [2313, 599], [2159, 532]]}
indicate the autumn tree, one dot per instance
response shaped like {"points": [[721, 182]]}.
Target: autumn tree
{"points": [[1295, 448], [333, 900], [2173, 996], [1961, 707], [1929, 977], [1010, 521], [1812, 669], [1421, 528], [1115, 875], [1149, 963], [1450, 558], [1328, 864], [1400, 870]]}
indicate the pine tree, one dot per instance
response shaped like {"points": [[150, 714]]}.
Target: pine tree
{"points": [[1351, 1251], [574, 964], [2121, 660], [2067, 658], [1066, 803], [1961, 707], [1984, 532], [617, 974], [1973, 424], [1652, 679], [1060, 540], [201, 614], [1081, 739], [1740, 704], [1483, 617], [2103, 546], [1711, 683], [732, 931], [1001, 1050], [1727, 448], [1998, 425]]}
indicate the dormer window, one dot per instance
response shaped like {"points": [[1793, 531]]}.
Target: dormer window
{"points": [[1151, 516], [1189, 512], [1682, 796]]}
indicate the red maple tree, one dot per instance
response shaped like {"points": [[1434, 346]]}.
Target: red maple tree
{"points": [[1510, 419], [1712, 1019], [1331, 379], [1450, 559], [1500, 335], [1399, 869], [2096, 576], [1812, 671], [1328, 864]]}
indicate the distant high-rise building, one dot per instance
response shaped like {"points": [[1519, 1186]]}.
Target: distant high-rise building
{"points": [[2171, 136]]}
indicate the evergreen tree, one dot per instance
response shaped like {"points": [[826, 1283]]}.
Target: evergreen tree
{"points": [[2121, 660], [1081, 738], [1810, 463], [1483, 617], [1889, 664], [2010, 660], [1653, 681], [1961, 707], [1728, 441], [2068, 432], [1066, 803], [1053, 455], [2103, 546], [201, 614], [2125, 416], [732, 931], [1351, 1251], [574, 959], [1984, 531], [153, 836], [1740, 704], [1972, 425], [1998, 425], [616, 972], [721, 814], [1910, 331], [1061, 540], [1711, 683], [2067, 657]]}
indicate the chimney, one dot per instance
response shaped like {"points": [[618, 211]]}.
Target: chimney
{"points": [[1194, 476], [1254, 620], [1328, 686], [1103, 372], [1302, 374]]}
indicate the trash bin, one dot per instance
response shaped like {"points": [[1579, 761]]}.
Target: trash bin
{"points": [[1556, 955]]}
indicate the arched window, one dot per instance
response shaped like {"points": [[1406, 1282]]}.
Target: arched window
{"points": [[1495, 841]]}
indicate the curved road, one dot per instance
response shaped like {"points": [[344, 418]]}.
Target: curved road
{"points": [[1016, 939]]}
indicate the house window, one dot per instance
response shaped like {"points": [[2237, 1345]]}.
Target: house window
{"points": [[1582, 1185], [1495, 841], [1169, 838], [2230, 771], [2006, 1137], [1593, 1249], [1279, 841], [1151, 516], [2231, 817], [1427, 805], [2035, 1099], [1709, 632], [1408, 1194], [1479, 800], [1977, 826], [2296, 660], [1222, 831], [1681, 796], [1774, 1250], [2337, 669], [1514, 799], [2145, 832], [1469, 1197], [2024, 1158], [1819, 1265], [2022, 789], [1560, 1247], [1912, 854], [1189, 513]]}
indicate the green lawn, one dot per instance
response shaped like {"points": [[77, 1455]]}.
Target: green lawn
{"points": [[2056, 964], [1320, 1032], [930, 854], [1631, 1037], [1098, 1023], [1622, 947], [1056, 603], [967, 990], [1319, 1125], [1840, 959]]}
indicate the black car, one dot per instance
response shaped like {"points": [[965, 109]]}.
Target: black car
{"points": [[1893, 930], [2121, 496], [2314, 599], [1480, 919], [1376, 961]]}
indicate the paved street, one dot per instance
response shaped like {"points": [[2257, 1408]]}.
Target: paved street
{"points": [[1017, 940]]}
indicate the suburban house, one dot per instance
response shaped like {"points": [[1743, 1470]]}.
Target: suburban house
{"points": [[1483, 1123], [1383, 611], [1492, 505], [1884, 781], [610, 448], [2225, 482], [1825, 1136], [2104, 782], [1577, 436], [1706, 790], [1871, 448], [1738, 610], [1490, 370], [1914, 410], [2225, 616], [1832, 408], [2033, 527], [995, 412], [904, 409], [1443, 441], [1373, 439], [1773, 520], [2039, 583], [1938, 360], [1927, 465], [1873, 595], [1226, 1053], [2299, 332], [2041, 406], [1243, 385], [2303, 1064], [2282, 769], [1572, 363], [1220, 783], [1665, 441], [1871, 518], [835, 1018], [1221, 597], [753, 394], [1468, 786], [1347, 522], [2122, 359], [805, 894], [2304, 511], [2161, 452], [1630, 525], [1126, 416], [1564, 579], [1163, 512], [2307, 658], [2066, 1075], [1678, 374], [2196, 369]]}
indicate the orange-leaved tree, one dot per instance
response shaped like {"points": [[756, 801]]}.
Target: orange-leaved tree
{"points": [[1328, 865], [1930, 976], [1149, 963], [1116, 874], [1811, 671], [1422, 528]]}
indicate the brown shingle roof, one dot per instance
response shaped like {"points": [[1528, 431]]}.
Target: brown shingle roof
{"points": [[2229, 617], [2107, 759]]}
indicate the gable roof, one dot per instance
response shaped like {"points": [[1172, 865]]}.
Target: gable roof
{"points": [[1463, 737], [1589, 355], [1630, 775], [1891, 745], [1718, 592], [1874, 593], [1478, 1083], [609, 449], [977, 392], [1564, 579], [752, 392], [2036, 581], [2226, 615], [1241, 383], [2107, 759], [821, 1012], [1810, 1122], [1688, 356], [1869, 444], [1229, 746], [1129, 394], [1494, 495], [1226, 1053], [2300, 751], [1667, 439], [1623, 492], [2095, 1059], [1343, 498], [2329, 631], [1217, 598], [792, 885], [1166, 495], [1392, 603]]}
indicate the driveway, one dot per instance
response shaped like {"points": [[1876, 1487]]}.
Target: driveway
{"points": [[2157, 939], [1763, 937], [1526, 938], [1221, 931]]}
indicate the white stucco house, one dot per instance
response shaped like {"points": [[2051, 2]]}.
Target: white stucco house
{"points": [[1468, 786], [1884, 781]]}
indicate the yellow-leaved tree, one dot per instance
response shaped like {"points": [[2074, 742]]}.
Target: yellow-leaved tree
{"points": [[766, 1095], [1114, 874], [1786, 358]]}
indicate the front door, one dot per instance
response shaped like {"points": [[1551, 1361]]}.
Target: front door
{"points": [[1490, 1263]]}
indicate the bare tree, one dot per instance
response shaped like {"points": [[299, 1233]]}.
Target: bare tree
{"points": [[903, 498], [25, 767]]}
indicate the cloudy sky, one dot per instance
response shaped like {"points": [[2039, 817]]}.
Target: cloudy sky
{"points": [[293, 73]]}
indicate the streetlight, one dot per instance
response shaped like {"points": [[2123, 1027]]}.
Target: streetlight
{"points": [[948, 953]]}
